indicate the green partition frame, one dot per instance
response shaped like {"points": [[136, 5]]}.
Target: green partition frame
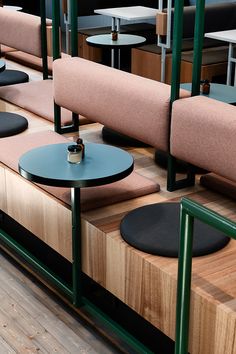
{"points": [[57, 54], [188, 211], [172, 184], [44, 39]]}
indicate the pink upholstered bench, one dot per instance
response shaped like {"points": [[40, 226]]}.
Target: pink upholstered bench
{"points": [[126, 103], [203, 134], [35, 96]]}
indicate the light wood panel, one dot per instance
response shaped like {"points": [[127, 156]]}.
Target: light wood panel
{"points": [[148, 64]]}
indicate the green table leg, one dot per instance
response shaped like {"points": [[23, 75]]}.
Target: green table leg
{"points": [[76, 247]]}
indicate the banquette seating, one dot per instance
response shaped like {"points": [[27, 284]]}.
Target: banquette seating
{"points": [[23, 32], [34, 96], [202, 133]]}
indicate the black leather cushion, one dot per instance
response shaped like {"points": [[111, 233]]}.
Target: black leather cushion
{"points": [[11, 77], [11, 124], [155, 229]]}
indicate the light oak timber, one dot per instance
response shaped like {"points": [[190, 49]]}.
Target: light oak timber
{"points": [[148, 64]]}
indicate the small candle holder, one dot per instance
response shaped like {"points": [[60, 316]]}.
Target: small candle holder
{"points": [[205, 87], [76, 152], [114, 35]]}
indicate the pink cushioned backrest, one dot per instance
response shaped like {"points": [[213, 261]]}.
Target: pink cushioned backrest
{"points": [[129, 104], [20, 31], [203, 133]]}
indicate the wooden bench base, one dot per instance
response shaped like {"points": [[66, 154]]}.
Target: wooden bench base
{"points": [[148, 64]]}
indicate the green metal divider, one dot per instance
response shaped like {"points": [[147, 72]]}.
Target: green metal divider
{"points": [[188, 211], [44, 39], [172, 184], [57, 54], [198, 44]]}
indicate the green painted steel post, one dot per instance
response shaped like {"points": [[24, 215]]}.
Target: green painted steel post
{"points": [[176, 51], [76, 247], [56, 29], [74, 27], [184, 282], [56, 55], [197, 48], [44, 39]]}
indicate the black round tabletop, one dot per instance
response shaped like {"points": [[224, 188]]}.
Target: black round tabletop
{"points": [[102, 164], [2, 65], [124, 40], [219, 92]]}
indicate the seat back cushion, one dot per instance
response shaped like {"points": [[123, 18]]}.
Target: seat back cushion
{"points": [[129, 104], [37, 97], [203, 133], [130, 187], [21, 31]]}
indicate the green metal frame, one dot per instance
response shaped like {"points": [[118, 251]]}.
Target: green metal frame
{"points": [[44, 39], [172, 184], [57, 54], [188, 211]]}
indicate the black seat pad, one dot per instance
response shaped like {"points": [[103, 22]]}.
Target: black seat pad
{"points": [[11, 124], [155, 229]]}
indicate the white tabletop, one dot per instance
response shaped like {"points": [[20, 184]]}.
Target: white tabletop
{"points": [[129, 13], [226, 36], [13, 8]]}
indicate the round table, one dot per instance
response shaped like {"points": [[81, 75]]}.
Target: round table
{"points": [[12, 8], [219, 92], [2, 65], [10, 123], [102, 164], [124, 40]]}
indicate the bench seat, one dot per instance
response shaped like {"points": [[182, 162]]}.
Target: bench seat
{"points": [[203, 134], [36, 97]]}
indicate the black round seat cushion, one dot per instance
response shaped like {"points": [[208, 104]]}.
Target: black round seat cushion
{"points": [[11, 77], [155, 229], [11, 124]]}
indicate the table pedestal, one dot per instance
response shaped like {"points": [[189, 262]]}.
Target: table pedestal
{"points": [[76, 247]]}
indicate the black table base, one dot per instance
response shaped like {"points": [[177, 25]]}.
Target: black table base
{"points": [[11, 124], [12, 77], [155, 229], [115, 138]]}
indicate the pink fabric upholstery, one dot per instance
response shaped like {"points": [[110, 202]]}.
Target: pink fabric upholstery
{"points": [[132, 186], [129, 104], [36, 97], [21, 31], [203, 133]]}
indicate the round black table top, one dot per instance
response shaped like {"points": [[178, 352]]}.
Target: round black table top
{"points": [[102, 164], [219, 92], [124, 40], [2, 65]]}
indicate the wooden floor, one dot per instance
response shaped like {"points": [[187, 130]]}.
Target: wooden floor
{"points": [[32, 320], [144, 282]]}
